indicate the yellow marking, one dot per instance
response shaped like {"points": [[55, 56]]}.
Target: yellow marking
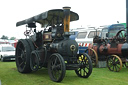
{"points": [[66, 23]]}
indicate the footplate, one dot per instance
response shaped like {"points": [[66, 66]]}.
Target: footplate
{"points": [[72, 66]]}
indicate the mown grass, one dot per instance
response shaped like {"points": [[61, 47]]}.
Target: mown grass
{"points": [[100, 76]]}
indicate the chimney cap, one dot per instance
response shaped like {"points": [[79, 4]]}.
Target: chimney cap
{"points": [[66, 7]]}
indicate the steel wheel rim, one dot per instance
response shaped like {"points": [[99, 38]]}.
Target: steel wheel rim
{"points": [[56, 67], [94, 57], [21, 56], [34, 61], [85, 70], [114, 63]]}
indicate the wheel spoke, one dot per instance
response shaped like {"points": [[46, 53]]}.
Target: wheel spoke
{"points": [[22, 64], [87, 67], [80, 71], [93, 56], [56, 67], [52, 63], [93, 60], [85, 72], [20, 48], [117, 62], [114, 63], [116, 68], [110, 65], [110, 60], [19, 57], [112, 68], [55, 61]]}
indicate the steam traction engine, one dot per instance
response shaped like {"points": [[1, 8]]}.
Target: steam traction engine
{"points": [[51, 47], [113, 49]]}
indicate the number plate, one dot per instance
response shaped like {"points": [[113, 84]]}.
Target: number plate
{"points": [[12, 58]]}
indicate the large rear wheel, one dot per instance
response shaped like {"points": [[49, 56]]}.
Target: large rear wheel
{"points": [[56, 67], [23, 52]]}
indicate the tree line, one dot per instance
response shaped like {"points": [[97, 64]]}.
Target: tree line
{"points": [[7, 38]]}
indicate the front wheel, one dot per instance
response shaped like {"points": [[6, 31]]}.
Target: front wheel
{"points": [[56, 67], [85, 68]]}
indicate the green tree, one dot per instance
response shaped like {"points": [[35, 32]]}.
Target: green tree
{"points": [[12, 38], [4, 37]]}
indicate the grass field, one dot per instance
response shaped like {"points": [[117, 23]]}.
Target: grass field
{"points": [[100, 76]]}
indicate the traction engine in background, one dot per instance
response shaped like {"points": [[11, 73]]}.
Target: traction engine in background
{"points": [[113, 50]]}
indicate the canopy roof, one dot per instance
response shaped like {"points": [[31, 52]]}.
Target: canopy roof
{"points": [[46, 17]]}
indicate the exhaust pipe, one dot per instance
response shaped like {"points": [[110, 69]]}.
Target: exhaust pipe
{"points": [[66, 18]]}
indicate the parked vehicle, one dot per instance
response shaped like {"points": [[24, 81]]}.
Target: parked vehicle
{"points": [[113, 49], [109, 31], [103, 33], [7, 52]]}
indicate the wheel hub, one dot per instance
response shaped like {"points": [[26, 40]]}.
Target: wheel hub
{"points": [[82, 65], [114, 64], [23, 56]]}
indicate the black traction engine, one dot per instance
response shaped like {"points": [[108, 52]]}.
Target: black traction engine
{"points": [[51, 47]]}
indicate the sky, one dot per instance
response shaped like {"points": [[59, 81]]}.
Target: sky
{"points": [[91, 13]]}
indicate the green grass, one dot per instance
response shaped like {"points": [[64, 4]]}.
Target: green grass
{"points": [[100, 76]]}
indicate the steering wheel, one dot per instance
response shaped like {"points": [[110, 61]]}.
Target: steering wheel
{"points": [[27, 32]]}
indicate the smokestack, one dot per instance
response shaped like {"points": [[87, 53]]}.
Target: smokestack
{"points": [[66, 18]]}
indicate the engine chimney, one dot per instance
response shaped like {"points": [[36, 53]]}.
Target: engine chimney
{"points": [[66, 18]]}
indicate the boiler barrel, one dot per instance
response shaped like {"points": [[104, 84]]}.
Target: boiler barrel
{"points": [[109, 50], [120, 49]]}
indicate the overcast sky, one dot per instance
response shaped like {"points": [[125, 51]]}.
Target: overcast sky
{"points": [[91, 12]]}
